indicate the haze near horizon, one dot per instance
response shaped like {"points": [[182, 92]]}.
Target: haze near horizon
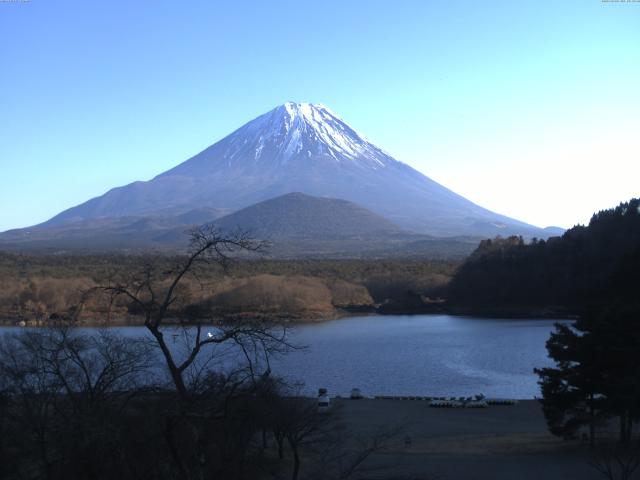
{"points": [[527, 109]]}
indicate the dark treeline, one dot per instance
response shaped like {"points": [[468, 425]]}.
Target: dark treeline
{"points": [[99, 266], [582, 269]]}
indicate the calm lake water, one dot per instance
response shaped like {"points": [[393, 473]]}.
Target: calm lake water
{"points": [[430, 355]]}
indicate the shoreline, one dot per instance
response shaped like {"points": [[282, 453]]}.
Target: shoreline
{"points": [[506, 313]]}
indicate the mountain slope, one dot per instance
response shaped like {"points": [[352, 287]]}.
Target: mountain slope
{"points": [[300, 147]]}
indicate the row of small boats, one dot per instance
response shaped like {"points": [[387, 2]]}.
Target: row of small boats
{"points": [[458, 404], [478, 401], [470, 402]]}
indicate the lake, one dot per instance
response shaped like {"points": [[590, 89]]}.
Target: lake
{"points": [[428, 355]]}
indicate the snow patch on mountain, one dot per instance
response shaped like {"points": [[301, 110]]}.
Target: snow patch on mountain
{"points": [[306, 129]]}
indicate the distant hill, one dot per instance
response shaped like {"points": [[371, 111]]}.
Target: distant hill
{"points": [[592, 265], [300, 216]]}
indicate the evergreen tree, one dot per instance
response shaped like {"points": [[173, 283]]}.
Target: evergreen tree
{"points": [[596, 375], [617, 333], [572, 392]]}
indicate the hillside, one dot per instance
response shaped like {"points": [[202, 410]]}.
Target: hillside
{"points": [[300, 216]]}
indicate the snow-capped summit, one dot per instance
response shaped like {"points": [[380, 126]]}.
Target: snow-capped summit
{"points": [[294, 131], [322, 131], [300, 147]]}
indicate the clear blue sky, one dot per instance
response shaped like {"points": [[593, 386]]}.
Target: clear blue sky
{"points": [[530, 108]]}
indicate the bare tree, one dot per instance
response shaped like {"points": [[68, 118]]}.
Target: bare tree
{"points": [[616, 462], [65, 392], [157, 296], [208, 402]]}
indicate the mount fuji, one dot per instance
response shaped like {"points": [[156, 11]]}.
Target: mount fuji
{"points": [[296, 147]]}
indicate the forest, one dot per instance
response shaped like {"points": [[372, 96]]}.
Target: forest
{"points": [[586, 268]]}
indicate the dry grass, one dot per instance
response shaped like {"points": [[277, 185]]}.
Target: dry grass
{"points": [[38, 287]]}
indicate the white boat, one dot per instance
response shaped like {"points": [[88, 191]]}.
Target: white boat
{"points": [[323, 400]]}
